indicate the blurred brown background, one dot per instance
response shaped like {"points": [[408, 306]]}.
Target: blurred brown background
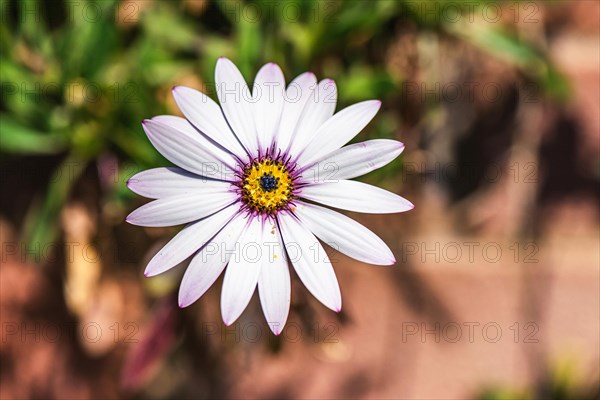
{"points": [[496, 293]]}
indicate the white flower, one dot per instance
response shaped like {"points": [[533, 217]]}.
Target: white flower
{"points": [[251, 171]]}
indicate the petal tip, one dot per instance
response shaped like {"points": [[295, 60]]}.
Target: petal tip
{"points": [[131, 184], [131, 218], [276, 328], [151, 269], [181, 299]]}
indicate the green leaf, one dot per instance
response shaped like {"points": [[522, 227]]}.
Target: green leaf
{"points": [[32, 23], [523, 55], [363, 82], [23, 93], [499, 42], [249, 47], [41, 223], [167, 28], [16, 138], [88, 42]]}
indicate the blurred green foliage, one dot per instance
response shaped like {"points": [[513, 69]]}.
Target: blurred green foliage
{"points": [[78, 77]]}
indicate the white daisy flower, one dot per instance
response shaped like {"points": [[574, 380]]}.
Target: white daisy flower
{"points": [[254, 174]]}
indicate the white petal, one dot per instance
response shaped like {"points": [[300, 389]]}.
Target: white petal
{"points": [[296, 95], [356, 196], [176, 210], [172, 181], [206, 115], [339, 130], [186, 151], [344, 234], [310, 261], [267, 95], [274, 287], [242, 272], [319, 108], [236, 102], [215, 150], [353, 160], [208, 263], [187, 241]]}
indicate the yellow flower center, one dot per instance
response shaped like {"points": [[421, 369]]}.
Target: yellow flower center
{"points": [[266, 186]]}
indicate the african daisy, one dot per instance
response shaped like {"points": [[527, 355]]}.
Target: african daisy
{"points": [[253, 175]]}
